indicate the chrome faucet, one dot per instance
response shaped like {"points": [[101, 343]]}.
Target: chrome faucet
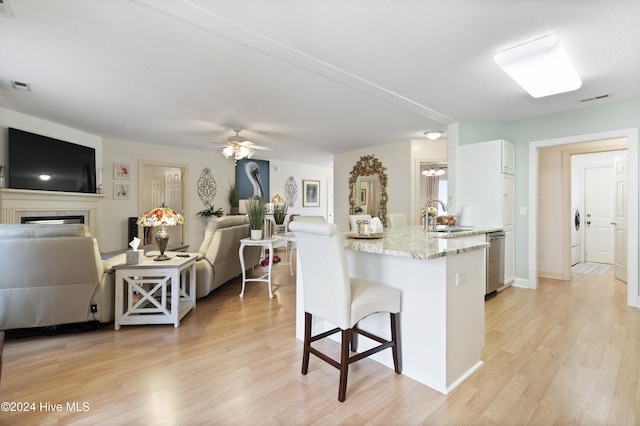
{"points": [[427, 219]]}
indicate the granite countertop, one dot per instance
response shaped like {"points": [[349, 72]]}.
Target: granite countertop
{"points": [[416, 243]]}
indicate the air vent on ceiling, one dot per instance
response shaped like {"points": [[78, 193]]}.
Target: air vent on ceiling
{"points": [[5, 9], [19, 85], [595, 98]]}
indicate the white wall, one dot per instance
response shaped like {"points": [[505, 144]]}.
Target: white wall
{"points": [[113, 223], [279, 172]]}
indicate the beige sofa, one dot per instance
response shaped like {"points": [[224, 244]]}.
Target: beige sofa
{"points": [[51, 275], [218, 260]]}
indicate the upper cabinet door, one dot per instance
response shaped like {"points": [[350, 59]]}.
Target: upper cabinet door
{"points": [[508, 158]]}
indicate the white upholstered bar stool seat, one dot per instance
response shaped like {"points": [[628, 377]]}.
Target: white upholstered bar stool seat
{"points": [[397, 220], [331, 294]]}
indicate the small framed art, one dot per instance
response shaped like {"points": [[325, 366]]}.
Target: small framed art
{"points": [[310, 193], [120, 191], [121, 171]]}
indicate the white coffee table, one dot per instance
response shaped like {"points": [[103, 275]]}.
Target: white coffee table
{"points": [[155, 292]]}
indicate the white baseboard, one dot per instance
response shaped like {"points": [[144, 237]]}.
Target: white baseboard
{"points": [[552, 275], [521, 283]]}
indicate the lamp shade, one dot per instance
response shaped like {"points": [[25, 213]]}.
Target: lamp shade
{"points": [[161, 216]]}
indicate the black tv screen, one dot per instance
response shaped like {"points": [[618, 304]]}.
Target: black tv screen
{"points": [[69, 166]]}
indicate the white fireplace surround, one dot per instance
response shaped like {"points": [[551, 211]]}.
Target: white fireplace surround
{"points": [[17, 203]]}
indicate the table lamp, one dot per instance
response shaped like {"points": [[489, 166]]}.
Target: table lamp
{"points": [[162, 217]]}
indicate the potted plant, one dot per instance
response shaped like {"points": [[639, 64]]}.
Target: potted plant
{"points": [[256, 213], [280, 213], [234, 199], [210, 212]]}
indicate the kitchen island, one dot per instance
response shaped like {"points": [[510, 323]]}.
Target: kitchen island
{"points": [[443, 285]]}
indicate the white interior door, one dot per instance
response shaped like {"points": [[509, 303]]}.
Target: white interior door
{"points": [[620, 221], [173, 196], [599, 214], [161, 185]]}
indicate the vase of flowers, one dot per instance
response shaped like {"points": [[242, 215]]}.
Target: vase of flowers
{"points": [[265, 263]]}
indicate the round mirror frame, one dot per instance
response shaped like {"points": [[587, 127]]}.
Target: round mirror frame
{"points": [[369, 165]]}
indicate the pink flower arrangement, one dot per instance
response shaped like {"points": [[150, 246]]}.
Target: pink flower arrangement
{"points": [[265, 261]]}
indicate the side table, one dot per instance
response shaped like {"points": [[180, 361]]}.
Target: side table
{"points": [[270, 244], [155, 292]]}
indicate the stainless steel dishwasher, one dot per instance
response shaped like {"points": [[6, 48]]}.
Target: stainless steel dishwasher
{"points": [[495, 262]]}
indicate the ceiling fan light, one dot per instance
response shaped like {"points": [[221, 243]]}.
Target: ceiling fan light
{"points": [[227, 151], [541, 67], [243, 152]]}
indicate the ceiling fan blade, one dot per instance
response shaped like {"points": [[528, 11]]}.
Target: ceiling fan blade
{"points": [[252, 145], [261, 148]]}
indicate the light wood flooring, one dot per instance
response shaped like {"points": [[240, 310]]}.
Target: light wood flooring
{"points": [[568, 353]]}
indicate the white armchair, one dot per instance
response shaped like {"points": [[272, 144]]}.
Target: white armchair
{"points": [[51, 275]]}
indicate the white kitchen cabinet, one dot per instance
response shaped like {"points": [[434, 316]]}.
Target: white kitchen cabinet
{"points": [[486, 183], [508, 158]]}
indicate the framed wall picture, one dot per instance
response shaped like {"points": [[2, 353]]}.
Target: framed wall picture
{"points": [[121, 171], [120, 191], [310, 193], [363, 196], [252, 179]]}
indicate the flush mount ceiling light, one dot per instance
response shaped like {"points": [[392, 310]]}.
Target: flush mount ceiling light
{"points": [[540, 67], [433, 134]]}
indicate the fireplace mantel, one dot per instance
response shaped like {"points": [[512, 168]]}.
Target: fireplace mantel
{"points": [[15, 203]]}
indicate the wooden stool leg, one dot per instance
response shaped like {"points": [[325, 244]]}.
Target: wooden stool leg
{"points": [[354, 339], [307, 343], [344, 365], [395, 337]]}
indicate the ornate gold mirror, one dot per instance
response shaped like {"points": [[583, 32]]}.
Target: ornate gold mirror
{"points": [[368, 188]]}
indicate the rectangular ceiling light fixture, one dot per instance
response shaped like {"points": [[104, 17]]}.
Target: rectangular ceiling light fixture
{"points": [[541, 67]]}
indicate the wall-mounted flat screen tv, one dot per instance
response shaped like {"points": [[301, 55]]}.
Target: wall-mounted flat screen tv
{"points": [[43, 163]]}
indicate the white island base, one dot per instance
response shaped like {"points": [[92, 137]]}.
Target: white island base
{"points": [[442, 318]]}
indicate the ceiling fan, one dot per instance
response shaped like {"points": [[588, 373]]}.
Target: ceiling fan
{"points": [[240, 147]]}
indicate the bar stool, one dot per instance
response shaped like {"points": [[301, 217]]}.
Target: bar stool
{"points": [[329, 293], [397, 221]]}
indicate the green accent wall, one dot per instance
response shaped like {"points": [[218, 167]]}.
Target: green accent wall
{"points": [[596, 119]]}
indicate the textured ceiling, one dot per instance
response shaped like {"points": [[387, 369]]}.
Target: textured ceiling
{"points": [[307, 78]]}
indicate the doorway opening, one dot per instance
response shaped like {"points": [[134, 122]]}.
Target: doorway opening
{"points": [[537, 205], [163, 184]]}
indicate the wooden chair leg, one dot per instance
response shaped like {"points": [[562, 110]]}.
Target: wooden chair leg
{"points": [[344, 364], [354, 339], [395, 337], [307, 343]]}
